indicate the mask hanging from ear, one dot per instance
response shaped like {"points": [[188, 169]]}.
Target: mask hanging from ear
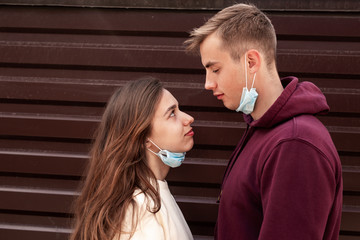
{"points": [[248, 98]]}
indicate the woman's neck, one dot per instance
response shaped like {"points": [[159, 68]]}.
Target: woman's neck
{"points": [[155, 164]]}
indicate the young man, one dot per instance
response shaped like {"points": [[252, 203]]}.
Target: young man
{"points": [[283, 180]]}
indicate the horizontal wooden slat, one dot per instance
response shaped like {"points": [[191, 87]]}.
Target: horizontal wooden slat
{"points": [[350, 219], [79, 20], [24, 232], [27, 226], [124, 56], [170, 57], [163, 21], [23, 144], [35, 200], [42, 163], [348, 237], [349, 199], [58, 40], [99, 75], [28, 218], [91, 90], [198, 209], [304, 61], [351, 177], [212, 172], [350, 159], [194, 190], [61, 128], [345, 138], [315, 25], [346, 5]]}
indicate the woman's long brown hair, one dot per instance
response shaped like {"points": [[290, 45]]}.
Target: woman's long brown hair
{"points": [[118, 163]]}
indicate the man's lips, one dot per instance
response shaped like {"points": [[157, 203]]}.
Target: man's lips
{"points": [[219, 96], [190, 133]]}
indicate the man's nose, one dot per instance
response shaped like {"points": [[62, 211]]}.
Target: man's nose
{"points": [[209, 83]]}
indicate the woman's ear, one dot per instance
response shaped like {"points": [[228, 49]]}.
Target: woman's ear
{"points": [[147, 143], [254, 59]]}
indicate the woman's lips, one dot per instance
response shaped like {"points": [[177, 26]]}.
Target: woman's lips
{"points": [[190, 133]]}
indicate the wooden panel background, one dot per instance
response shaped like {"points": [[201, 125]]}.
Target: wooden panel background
{"points": [[59, 65]]}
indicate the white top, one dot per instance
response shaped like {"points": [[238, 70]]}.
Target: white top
{"points": [[167, 224]]}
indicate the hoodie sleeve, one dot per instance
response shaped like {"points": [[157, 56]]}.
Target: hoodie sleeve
{"points": [[297, 185]]}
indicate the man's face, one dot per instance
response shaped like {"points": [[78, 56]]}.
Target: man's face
{"points": [[224, 76]]}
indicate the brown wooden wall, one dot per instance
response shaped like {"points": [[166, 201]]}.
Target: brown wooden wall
{"points": [[59, 65]]}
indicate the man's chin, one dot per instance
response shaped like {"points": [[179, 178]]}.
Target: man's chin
{"points": [[230, 107]]}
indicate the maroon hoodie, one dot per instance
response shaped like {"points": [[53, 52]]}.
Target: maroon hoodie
{"points": [[283, 180]]}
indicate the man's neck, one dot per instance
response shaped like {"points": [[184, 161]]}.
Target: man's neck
{"points": [[269, 90]]}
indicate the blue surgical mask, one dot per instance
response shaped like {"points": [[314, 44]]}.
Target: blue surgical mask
{"points": [[169, 158], [248, 98]]}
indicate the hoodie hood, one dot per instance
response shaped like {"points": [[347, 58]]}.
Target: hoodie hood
{"points": [[297, 98]]}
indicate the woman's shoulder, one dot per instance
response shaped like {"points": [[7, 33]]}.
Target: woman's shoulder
{"points": [[139, 196], [147, 225], [142, 200]]}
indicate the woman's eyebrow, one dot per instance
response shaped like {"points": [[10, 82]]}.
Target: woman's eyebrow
{"points": [[170, 109]]}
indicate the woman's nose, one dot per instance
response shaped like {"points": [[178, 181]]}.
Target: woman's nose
{"points": [[188, 119]]}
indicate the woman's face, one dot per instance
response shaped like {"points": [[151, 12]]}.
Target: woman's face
{"points": [[171, 128]]}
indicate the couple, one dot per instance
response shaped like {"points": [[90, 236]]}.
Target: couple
{"points": [[283, 180]]}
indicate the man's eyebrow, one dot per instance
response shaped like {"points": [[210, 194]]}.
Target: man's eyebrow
{"points": [[209, 64], [170, 109]]}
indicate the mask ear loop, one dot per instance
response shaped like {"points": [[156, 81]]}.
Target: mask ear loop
{"points": [[245, 73], [151, 151], [155, 146], [253, 80], [246, 76]]}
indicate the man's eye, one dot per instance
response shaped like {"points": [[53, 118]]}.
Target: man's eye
{"points": [[172, 114], [215, 71]]}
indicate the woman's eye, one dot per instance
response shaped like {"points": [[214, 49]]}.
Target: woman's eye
{"points": [[172, 114], [215, 71]]}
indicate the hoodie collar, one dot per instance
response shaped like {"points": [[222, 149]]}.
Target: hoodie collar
{"points": [[296, 99]]}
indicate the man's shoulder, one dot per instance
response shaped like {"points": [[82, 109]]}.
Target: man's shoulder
{"points": [[302, 127], [309, 130], [310, 127]]}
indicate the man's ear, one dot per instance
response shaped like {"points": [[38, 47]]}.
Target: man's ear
{"points": [[254, 60]]}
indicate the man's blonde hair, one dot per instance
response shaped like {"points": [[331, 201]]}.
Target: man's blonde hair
{"points": [[240, 27]]}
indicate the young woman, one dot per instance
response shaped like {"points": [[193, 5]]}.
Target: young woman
{"points": [[125, 196]]}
